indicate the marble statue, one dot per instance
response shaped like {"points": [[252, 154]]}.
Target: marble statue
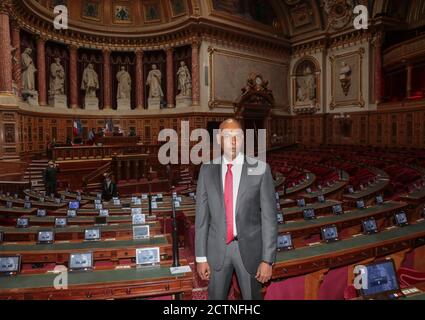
{"points": [[306, 86], [155, 91], [185, 80], [57, 97], [90, 81], [124, 84], [57, 78], [28, 70], [154, 83]]}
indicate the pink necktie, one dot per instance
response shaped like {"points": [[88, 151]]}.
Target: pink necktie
{"points": [[228, 202]]}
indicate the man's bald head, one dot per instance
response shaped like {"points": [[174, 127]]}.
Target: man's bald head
{"points": [[230, 138], [230, 123]]}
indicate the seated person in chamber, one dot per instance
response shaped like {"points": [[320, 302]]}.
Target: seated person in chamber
{"points": [[109, 188]]}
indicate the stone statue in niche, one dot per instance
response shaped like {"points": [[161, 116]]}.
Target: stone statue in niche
{"points": [[345, 77], [306, 86], [124, 89], [57, 78], [28, 80], [57, 97], [90, 83], [184, 98], [155, 91], [185, 80]]}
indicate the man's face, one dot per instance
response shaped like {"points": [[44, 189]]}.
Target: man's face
{"points": [[231, 139]]}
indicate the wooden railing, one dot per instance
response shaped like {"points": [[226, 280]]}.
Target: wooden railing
{"points": [[116, 140], [95, 175], [130, 167], [101, 152]]}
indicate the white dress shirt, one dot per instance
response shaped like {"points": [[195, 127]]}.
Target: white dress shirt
{"points": [[236, 171]]}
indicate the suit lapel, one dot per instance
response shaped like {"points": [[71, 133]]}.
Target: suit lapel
{"points": [[218, 181], [242, 186]]}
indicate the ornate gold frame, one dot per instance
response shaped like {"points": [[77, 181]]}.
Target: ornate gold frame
{"points": [[159, 9], [213, 102], [359, 102], [100, 13], [170, 6], [122, 3]]}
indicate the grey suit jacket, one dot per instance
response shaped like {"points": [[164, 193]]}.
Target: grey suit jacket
{"points": [[256, 217]]}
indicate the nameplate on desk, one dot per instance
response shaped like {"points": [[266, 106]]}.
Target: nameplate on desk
{"points": [[390, 228], [420, 220], [64, 241], [114, 224], [181, 269], [9, 243], [357, 235], [158, 236], [410, 291], [314, 244], [122, 267], [110, 239]]}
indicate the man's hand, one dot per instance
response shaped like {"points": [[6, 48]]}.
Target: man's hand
{"points": [[264, 272], [204, 270]]}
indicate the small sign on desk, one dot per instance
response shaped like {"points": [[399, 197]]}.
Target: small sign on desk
{"points": [[181, 269]]}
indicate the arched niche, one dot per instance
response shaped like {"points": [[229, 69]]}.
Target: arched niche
{"points": [[306, 86]]}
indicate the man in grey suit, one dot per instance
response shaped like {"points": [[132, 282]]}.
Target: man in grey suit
{"points": [[236, 219]]}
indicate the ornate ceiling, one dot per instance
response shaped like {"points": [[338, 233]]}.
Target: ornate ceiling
{"points": [[284, 21]]}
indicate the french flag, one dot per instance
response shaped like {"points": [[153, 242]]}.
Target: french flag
{"points": [[76, 130]]}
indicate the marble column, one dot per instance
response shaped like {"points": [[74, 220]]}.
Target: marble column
{"points": [[409, 81], [41, 72], [5, 50], [140, 83], [107, 85], [16, 64], [170, 78], [378, 69], [195, 73], [73, 78]]}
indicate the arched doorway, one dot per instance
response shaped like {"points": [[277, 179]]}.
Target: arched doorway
{"points": [[254, 106]]}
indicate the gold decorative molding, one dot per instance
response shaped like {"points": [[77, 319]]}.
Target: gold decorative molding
{"points": [[359, 101]]}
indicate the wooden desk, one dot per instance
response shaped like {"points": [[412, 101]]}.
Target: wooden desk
{"points": [[367, 193], [102, 250], [311, 177], [323, 256], [76, 232], [326, 191], [102, 284], [81, 220], [51, 206], [346, 220], [16, 212], [294, 213]]}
